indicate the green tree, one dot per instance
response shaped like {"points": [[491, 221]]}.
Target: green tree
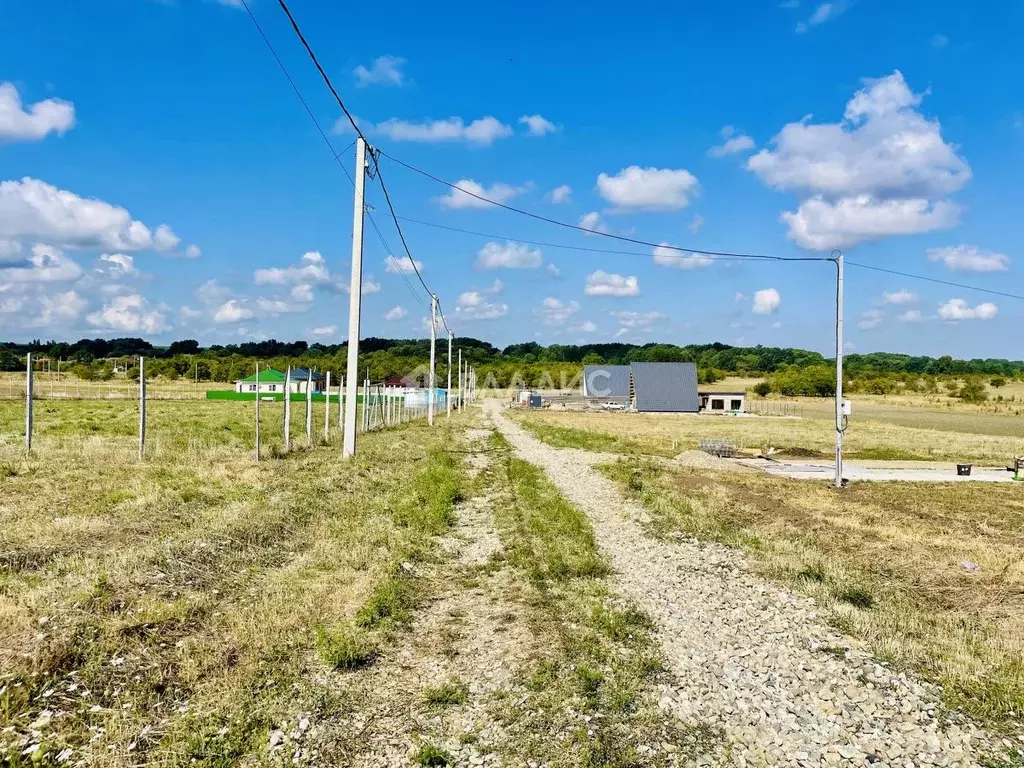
{"points": [[762, 388], [997, 381], [973, 391], [10, 361]]}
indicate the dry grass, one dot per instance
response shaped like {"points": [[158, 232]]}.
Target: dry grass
{"points": [[931, 575], [876, 438], [168, 611], [49, 386]]}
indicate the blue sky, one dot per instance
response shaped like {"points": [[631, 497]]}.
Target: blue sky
{"points": [[159, 178]]}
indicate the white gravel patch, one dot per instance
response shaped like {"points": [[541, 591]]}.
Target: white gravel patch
{"points": [[751, 657]]}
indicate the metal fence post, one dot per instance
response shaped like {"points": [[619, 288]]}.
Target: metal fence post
{"points": [[257, 411], [28, 402], [288, 409], [142, 406], [309, 407]]}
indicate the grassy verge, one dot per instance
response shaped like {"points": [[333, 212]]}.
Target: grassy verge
{"points": [[567, 437], [930, 575], [172, 611], [589, 701]]}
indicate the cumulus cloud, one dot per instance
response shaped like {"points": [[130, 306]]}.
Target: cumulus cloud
{"points": [[483, 131], [553, 270], [508, 256], [601, 283], [463, 195], [129, 314], [970, 258], [385, 70], [33, 209], [636, 322], [232, 311], [312, 268], [324, 330], [117, 265], [555, 312], [766, 301], [652, 189], [733, 143], [593, 222], [883, 170], [395, 313], [668, 257], [402, 265], [536, 125], [910, 316], [275, 307], [192, 252], [40, 119], [870, 319], [902, 296], [958, 309], [476, 305], [60, 308], [586, 326], [562, 194], [44, 264]]}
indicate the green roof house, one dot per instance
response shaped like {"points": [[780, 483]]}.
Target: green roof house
{"points": [[270, 381]]}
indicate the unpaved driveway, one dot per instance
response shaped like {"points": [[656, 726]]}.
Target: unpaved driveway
{"points": [[752, 657]]}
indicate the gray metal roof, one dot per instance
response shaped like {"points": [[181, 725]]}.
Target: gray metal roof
{"points": [[606, 381], [665, 387]]}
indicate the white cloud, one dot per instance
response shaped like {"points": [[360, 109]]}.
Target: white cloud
{"points": [[822, 13], [60, 308], [562, 194], [117, 265], [696, 223], [212, 293], [958, 309], [475, 305], [395, 313], [33, 124], [537, 125], [555, 312], [498, 192], [232, 311], [33, 209], [738, 297], [129, 314], [601, 283], [385, 70], [883, 170], [585, 327], [766, 301], [636, 322], [652, 189], [910, 316], [970, 258], [43, 265], [508, 256], [10, 250], [192, 252], [276, 307], [402, 265], [187, 313], [820, 225], [733, 143], [902, 296], [312, 268], [303, 292], [667, 257], [484, 131], [870, 319], [324, 330], [593, 222], [553, 270]]}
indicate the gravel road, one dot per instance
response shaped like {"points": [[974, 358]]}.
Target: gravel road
{"points": [[753, 658]]}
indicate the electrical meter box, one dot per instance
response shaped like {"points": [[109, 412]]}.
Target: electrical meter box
{"points": [[846, 408]]}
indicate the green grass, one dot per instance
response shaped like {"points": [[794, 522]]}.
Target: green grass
{"points": [[345, 647], [567, 437], [430, 755], [448, 694]]}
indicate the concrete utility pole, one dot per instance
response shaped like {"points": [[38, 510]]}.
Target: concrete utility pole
{"points": [[28, 402], [309, 407], [460, 381], [840, 406], [341, 407], [448, 395], [142, 406], [257, 411], [327, 409], [354, 303], [433, 342], [287, 409]]}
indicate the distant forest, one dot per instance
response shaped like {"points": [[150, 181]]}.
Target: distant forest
{"points": [[790, 371]]}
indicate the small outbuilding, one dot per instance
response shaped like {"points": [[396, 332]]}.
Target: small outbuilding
{"points": [[723, 402]]}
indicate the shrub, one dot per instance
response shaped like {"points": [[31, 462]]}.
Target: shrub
{"points": [[973, 391], [762, 388], [344, 647], [997, 381]]}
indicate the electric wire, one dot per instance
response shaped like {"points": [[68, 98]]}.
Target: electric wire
{"points": [[586, 230], [934, 280], [327, 140]]}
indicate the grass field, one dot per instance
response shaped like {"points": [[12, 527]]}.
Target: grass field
{"points": [[168, 611], [932, 576]]}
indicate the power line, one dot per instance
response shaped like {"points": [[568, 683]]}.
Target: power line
{"points": [[320, 69], [589, 231], [934, 280], [323, 134]]}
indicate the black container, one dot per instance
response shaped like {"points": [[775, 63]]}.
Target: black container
{"points": [[964, 470]]}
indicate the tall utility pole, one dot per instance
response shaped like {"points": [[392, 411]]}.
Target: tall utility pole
{"points": [[433, 342], [460, 381], [448, 396], [355, 295], [257, 411], [840, 415]]}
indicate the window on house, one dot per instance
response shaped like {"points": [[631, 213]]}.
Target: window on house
{"points": [[718, 405], [272, 388], [252, 387], [736, 405]]}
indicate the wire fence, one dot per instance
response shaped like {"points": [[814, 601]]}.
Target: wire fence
{"points": [[768, 407]]}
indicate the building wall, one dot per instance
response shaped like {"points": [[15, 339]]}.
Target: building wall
{"points": [[723, 402]]}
